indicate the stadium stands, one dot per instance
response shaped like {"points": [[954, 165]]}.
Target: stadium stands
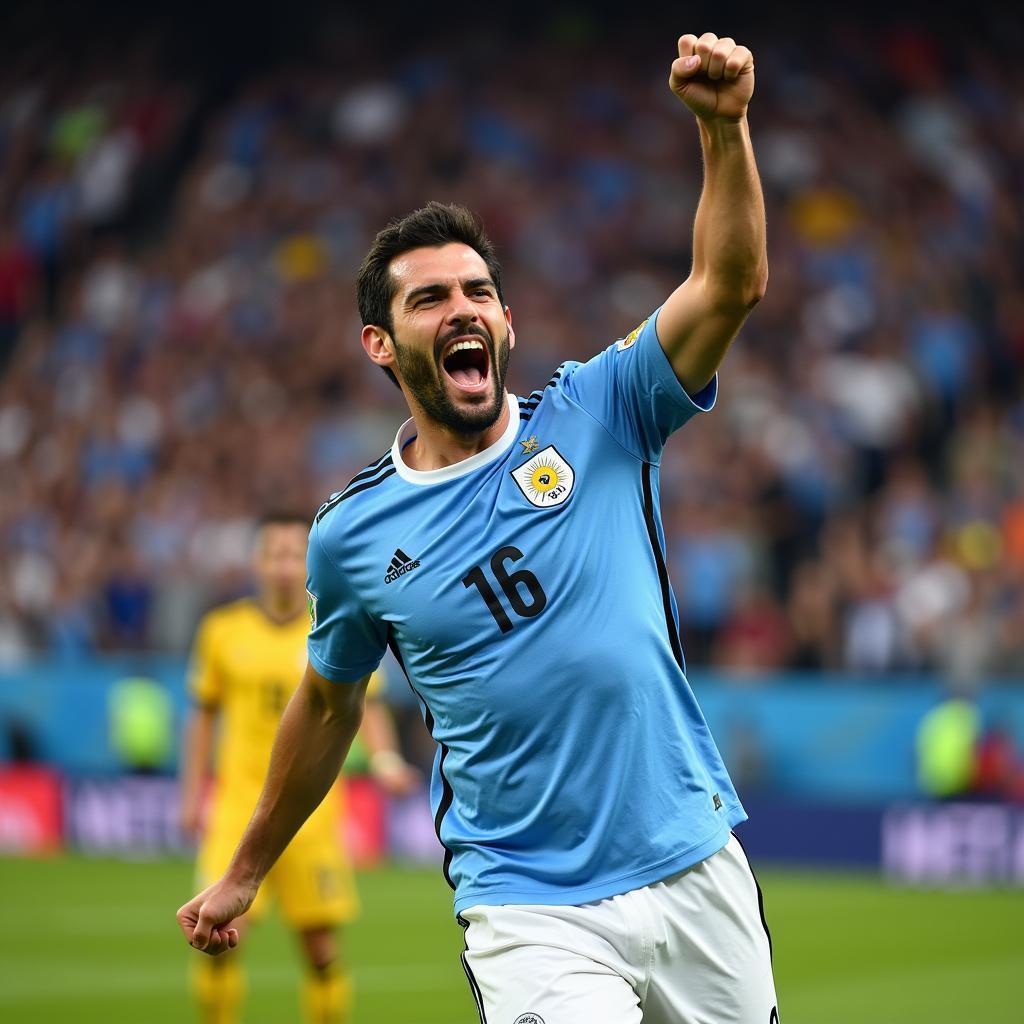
{"points": [[178, 357]]}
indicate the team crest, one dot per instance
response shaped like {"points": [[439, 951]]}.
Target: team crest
{"points": [[311, 607], [546, 480], [630, 339], [529, 1018]]}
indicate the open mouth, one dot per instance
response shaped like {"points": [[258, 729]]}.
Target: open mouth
{"points": [[466, 363]]}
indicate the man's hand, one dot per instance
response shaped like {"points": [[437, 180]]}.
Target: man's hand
{"points": [[207, 919], [713, 77]]}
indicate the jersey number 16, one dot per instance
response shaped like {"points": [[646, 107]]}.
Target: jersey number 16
{"points": [[510, 582]]}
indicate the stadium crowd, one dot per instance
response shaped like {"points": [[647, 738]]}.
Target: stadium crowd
{"points": [[856, 502]]}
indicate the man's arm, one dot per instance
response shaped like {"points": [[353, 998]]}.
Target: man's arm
{"points": [[195, 763], [715, 80], [316, 731]]}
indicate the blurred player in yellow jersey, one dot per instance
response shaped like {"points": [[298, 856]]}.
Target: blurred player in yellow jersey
{"points": [[248, 658]]}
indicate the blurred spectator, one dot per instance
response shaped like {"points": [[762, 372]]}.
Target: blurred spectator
{"points": [[18, 273], [856, 501]]}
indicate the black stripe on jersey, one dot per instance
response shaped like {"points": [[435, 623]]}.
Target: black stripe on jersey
{"points": [[535, 397], [447, 795], [528, 405], [659, 559], [369, 483], [363, 474], [384, 458], [371, 470], [327, 506], [760, 897]]}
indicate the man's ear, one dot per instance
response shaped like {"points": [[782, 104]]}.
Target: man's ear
{"points": [[511, 333], [378, 346]]}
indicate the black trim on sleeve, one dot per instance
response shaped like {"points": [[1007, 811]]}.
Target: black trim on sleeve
{"points": [[447, 794], [659, 561]]}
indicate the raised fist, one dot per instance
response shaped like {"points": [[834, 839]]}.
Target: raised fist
{"points": [[713, 77]]}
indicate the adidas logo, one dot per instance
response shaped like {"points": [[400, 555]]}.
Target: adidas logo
{"points": [[400, 565]]}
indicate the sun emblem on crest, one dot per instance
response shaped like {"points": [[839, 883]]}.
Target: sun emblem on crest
{"points": [[543, 479], [547, 479]]}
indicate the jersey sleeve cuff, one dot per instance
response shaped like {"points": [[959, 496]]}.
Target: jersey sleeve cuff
{"points": [[703, 401], [335, 674]]}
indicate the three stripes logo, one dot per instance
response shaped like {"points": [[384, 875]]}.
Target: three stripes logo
{"points": [[401, 563]]}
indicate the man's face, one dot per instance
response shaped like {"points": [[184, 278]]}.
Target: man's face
{"points": [[279, 561], [451, 336]]}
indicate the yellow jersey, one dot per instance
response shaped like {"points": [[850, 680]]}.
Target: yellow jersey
{"points": [[248, 666]]}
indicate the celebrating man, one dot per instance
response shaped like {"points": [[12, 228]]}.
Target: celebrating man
{"points": [[510, 553]]}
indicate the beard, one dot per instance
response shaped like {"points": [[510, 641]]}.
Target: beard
{"points": [[422, 374]]}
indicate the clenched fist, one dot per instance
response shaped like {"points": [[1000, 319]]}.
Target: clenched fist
{"points": [[208, 920], [713, 77]]}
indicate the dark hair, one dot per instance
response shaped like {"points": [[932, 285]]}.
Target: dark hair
{"points": [[284, 517], [432, 225]]}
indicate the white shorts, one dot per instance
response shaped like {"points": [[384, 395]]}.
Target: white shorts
{"points": [[691, 949]]}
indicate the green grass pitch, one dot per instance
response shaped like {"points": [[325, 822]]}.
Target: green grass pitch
{"points": [[95, 941]]}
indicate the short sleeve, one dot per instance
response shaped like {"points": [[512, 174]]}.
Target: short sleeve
{"points": [[345, 643], [633, 391], [205, 679]]}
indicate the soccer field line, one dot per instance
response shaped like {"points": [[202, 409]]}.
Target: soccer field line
{"points": [[27, 984]]}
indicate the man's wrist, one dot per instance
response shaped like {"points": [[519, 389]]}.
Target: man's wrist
{"points": [[243, 873], [248, 867], [726, 126], [724, 133]]}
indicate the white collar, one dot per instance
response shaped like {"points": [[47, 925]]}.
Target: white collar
{"points": [[425, 477]]}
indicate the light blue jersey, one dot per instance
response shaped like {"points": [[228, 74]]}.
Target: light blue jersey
{"points": [[525, 594]]}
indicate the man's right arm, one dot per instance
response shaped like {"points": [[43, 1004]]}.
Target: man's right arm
{"points": [[314, 736]]}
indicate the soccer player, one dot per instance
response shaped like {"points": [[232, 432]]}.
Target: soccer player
{"points": [[248, 660], [510, 553]]}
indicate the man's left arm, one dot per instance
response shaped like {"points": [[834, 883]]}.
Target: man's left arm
{"points": [[714, 78]]}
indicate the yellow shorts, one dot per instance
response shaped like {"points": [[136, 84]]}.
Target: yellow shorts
{"points": [[312, 882]]}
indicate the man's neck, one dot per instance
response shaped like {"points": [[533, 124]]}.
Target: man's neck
{"points": [[435, 446]]}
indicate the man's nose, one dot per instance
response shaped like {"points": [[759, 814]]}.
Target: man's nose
{"points": [[460, 310]]}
